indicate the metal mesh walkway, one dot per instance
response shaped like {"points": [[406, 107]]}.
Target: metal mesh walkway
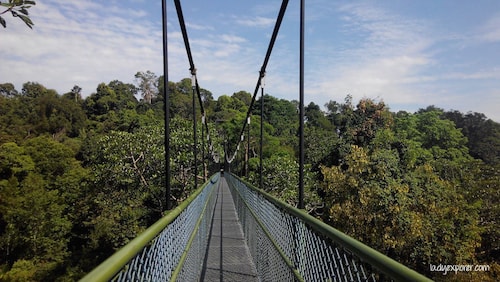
{"points": [[228, 257]]}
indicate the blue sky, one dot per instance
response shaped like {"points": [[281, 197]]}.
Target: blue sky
{"points": [[409, 54]]}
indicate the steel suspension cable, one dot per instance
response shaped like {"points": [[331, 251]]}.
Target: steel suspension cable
{"points": [[182, 24], [261, 73], [266, 60], [196, 89], [185, 37]]}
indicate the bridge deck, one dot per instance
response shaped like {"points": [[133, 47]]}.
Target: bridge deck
{"points": [[228, 257]]}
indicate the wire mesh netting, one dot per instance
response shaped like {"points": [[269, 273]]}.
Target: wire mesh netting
{"points": [[285, 248], [285, 244], [188, 232]]}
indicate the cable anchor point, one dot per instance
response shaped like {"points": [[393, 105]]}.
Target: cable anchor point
{"points": [[262, 79], [193, 76]]}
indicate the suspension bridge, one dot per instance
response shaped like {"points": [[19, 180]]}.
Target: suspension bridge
{"points": [[230, 230]]}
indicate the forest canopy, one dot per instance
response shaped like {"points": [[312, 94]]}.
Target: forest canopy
{"points": [[82, 176]]}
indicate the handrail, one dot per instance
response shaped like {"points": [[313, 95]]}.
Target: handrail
{"points": [[287, 261], [111, 266], [383, 263], [185, 254]]}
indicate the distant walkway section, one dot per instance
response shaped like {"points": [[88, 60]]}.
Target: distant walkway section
{"points": [[228, 257]]}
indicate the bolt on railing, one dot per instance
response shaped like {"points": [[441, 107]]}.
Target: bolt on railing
{"points": [[171, 249], [287, 244]]}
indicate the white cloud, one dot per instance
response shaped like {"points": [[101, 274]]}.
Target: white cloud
{"points": [[389, 53], [359, 49], [257, 21], [198, 26], [478, 75], [233, 38], [490, 31], [72, 43]]}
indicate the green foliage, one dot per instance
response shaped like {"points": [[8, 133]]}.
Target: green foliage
{"points": [[52, 158], [181, 158], [319, 144], [181, 98], [35, 224], [18, 8], [280, 114], [8, 90], [484, 188], [243, 96], [281, 178], [129, 175], [114, 107], [482, 133], [412, 215], [22, 270], [316, 118], [131, 163], [14, 162], [407, 191], [81, 177], [39, 111]]}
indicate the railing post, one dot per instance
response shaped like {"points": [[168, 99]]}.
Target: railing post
{"points": [[262, 75], [203, 148], [195, 147], [247, 156]]}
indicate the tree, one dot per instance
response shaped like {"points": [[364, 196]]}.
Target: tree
{"points": [[33, 89], [114, 107], [131, 163], [333, 111], [280, 177], [18, 8], [13, 124], [76, 93], [180, 98], [413, 215], [38, 182], [342, 116], [52, 158], [39, 111], [316, 117], [14, 162], [279, 113], [148, 85], [369, 117], [482, 133], [37, 226], [319, 146], [8, 90]]}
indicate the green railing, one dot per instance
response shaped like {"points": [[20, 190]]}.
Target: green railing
{"points": [[288, 244], [172, 248]]}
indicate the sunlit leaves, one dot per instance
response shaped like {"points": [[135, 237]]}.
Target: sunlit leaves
{"points": [[413, 215], [33, 206], [14, 162]]}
